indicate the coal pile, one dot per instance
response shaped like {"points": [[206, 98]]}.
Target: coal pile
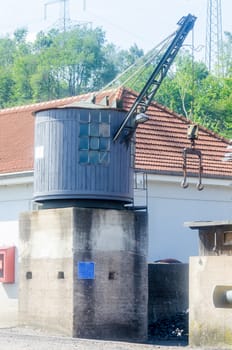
{"points": [[174, 328]]}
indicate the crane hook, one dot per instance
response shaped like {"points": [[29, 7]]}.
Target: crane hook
{"points": [[192, 151]]}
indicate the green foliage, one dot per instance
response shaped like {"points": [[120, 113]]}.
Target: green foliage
{"points": [[7, 52], [227, 57], [60, 64], [214, 105], [6, 87], [200, 96], [190, 90]]}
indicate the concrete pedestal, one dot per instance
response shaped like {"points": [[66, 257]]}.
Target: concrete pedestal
{"points": [[210, 314], [210, 285], [83, 272]]}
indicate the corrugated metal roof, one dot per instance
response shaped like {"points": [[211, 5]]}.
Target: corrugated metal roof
{"points": [[159, 142]]}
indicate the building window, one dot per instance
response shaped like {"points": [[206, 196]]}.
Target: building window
{"points": [[94, 138]]}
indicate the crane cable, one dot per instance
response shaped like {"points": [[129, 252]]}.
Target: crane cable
{"points": [[150, 56], [149, 61]]}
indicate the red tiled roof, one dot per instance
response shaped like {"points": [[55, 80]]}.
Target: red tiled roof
{"points": [[159, 142]]}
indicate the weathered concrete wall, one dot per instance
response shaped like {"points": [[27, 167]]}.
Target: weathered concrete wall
{"points": [[168, 290], [110, 305], [45, 248], [210, 324], [114, 304]]}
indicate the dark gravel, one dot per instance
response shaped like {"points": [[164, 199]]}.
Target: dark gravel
{"points": [[174, 328]]}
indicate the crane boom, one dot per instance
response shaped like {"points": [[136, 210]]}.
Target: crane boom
{"points": [[148, 92]]}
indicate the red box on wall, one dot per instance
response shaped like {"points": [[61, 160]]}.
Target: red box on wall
{"points": [[7, 265]]}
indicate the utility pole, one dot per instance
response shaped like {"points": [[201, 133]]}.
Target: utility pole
{"points": [[214, 43]]}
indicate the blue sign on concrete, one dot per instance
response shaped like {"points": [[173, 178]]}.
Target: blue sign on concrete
{"points": [[85, 270]]}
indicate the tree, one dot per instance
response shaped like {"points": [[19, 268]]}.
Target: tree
{"points": [[214, 105], [7, 52], [71, 63], [20, 35], [180, 87], [59, 64], [44, 40], [23, 69], [6, 87], [227, 55]]}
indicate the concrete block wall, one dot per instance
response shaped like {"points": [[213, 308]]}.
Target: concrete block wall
{"points": [[112, 304]]}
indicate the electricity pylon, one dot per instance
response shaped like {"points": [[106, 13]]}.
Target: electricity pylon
{"points": [[64, 13], [64, 20], [214, 43]]}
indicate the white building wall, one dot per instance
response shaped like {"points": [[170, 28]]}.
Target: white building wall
{"points": [[14, 198], [170, 206]]}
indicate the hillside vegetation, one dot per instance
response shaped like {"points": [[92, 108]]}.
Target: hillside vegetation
{"points": [[57, 65]]}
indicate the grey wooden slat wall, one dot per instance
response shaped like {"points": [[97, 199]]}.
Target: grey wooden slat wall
{"points": [[76, 157]]}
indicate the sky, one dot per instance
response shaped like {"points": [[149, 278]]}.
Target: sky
{"points": [[125, 22]]}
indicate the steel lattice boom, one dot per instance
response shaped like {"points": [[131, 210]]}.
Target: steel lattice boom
{"points": [[147, 94]]}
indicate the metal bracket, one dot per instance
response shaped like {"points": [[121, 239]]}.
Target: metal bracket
{"points": [[196, 152]]}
